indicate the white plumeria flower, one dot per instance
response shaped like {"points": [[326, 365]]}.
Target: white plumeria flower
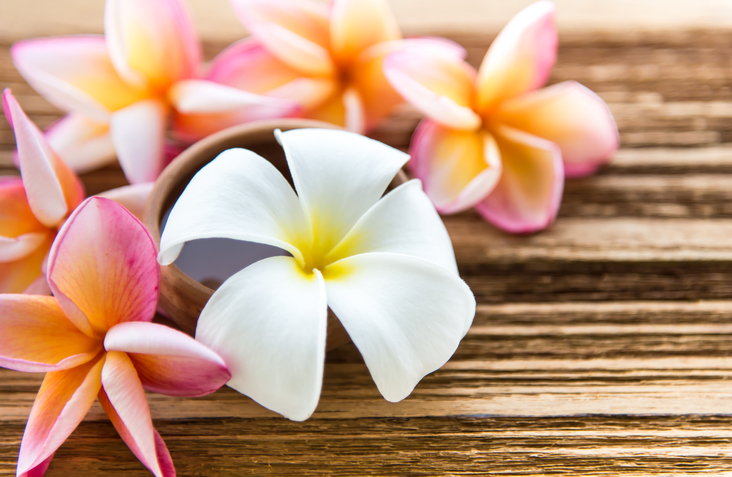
{"points": [[384, 265]]}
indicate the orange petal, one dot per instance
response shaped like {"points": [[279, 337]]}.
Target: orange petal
{"points": [[152, 41], [521, 57], [356, 25], [74, 73], [570, 115], [52, 188], [18, 275], [458, 168], [295, 31], [63, 400], [37, 336], [102, 267], [124, 401], [528, 195], [17, 222], [440, 85]]}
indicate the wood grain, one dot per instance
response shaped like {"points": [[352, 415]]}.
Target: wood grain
{"points": [[601, 346]]}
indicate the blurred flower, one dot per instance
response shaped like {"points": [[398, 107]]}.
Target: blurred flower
{"points": [[117, 87], [326, 58], [491, 140], [95, 338], [385, 266], [34, 207]]}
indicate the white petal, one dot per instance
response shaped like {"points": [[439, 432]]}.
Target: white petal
{"points": [[201, 96], [15, 248], [131, 197], [268, 323], [239, 195], [338, 175], [406, 316], [138, 133], [403, 222], [355, 113]]}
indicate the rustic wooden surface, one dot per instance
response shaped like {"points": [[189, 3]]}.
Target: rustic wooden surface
{"points": [[601, 347]]}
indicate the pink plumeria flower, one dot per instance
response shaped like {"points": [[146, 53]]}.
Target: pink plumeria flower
{"points": [[325, 57], [117, 87], [494, 141], [32, 208], [95, 338]]}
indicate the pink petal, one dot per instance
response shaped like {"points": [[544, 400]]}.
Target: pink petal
{"points": [[37, 336], [39, 470], [367, 74], [152, 42], [202, 97], [138, 134], [82, 143], [528, 195], [439, 85], [358, 24], [74, 73], [521, 57], [573, 117], [51, 187], [102, 267], [458, 168], [62, 402], [39, 286], [123, 398], [132, 197], [295, 31], [168, 361]]}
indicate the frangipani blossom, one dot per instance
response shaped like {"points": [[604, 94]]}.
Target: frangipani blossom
{"points": [[116, 87], [95, 339], [491, 139], [325, 57], [384, 265], [32, 208]]}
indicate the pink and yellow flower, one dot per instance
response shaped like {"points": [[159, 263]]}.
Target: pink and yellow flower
{"points": [[117, 87], [327, 57], [494, 141], [32, 208], [95, 339]]}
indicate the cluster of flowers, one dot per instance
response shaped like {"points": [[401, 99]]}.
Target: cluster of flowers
{"points": [[491, 140]]}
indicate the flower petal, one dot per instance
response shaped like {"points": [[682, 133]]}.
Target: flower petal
{"points": [[355, 115], [528, 195], [295, 31], [358, 24], [63, 400], [19, 247], [439, 85], [17, 276], [367, 74], [123, 398], [37, 336], [268, 322], [82, 143], [74, 73], [16, 216], [521, 57], [138, 134], [573, 117], [458, 168], [39, 470], [168, 361], [338, 176], [51, 187], [131, 197], [239, 195], [102, 267], [201, 96], [405, 222], [152, 41], [405, 315]]}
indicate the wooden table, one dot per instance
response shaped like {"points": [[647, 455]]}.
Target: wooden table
{"points": [[601, 346]]}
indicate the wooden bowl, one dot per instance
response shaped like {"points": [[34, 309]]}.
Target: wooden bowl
{"points": [[182, 297]]}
